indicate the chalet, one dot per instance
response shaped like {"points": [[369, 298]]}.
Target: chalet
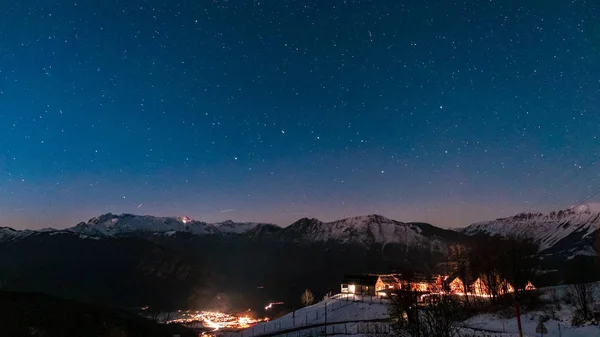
{"points": [[359, 284], [388, 282], [529, 286], [384, 284], [457, 286], [480, 287]]}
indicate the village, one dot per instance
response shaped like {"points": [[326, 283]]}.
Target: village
{"points": [[361, 306], [385, 285]]}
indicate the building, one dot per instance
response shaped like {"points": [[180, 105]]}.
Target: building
{"points": [[388, 282], [480, 287], [384, 284], [360, 284], [529, 286], [457, 286]]}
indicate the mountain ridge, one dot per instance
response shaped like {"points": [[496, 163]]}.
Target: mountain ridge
{"points": [[569, 231]]}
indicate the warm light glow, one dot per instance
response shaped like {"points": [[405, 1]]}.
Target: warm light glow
{"points": [[218, 320], [270, 305], [352, 288]]}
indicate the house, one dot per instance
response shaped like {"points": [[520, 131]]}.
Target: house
{"points": [[384, 284], [359, 284], [529, 286], [481, 288], [388, 282], [457, 286]]}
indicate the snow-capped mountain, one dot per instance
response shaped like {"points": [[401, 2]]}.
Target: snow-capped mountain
{"points": [[114, 225], [570, 231], [363, 230], [129, 224], [368, 230]]}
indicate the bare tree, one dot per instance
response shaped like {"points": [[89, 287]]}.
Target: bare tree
{"points": [[307, 298], [440, 318], [459, 260], [403, 308], [582, 295], [581, 288]]}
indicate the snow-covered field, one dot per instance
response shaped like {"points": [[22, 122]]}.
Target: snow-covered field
{"points": [[358, 316], [558, 326], [340, 308]]}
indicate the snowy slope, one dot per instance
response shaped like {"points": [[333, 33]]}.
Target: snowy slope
{"points": [[571, 229], [340, 308], [560, 325], [235, 227]]}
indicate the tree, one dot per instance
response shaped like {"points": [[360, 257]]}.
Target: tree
{"points": [[459, 261], [518, 261], [503, 261], [403, 308], [484, 261], [581, 290], [307, 298], [440, 319]]}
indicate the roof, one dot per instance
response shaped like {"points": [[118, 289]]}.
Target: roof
{"points": [[388, 279], [365, 280]]}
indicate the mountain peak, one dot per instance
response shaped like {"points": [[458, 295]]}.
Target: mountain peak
{"points": [[370, 218]]}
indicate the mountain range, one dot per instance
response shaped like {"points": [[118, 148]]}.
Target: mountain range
{"points": [[569, 231], [177, 262]]}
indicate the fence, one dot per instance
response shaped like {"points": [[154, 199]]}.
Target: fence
{"points": [[317, 316], [371, 327]]}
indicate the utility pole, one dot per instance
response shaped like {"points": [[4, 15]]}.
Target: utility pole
{"points": [[519, 318]]}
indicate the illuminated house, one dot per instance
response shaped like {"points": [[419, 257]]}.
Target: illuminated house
{"points": [[383, 285], [424, 284], [385, 282], [457, 286], [481, 288], [529, 286], [359, 284]]}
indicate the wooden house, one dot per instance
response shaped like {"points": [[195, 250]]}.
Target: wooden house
{"points": [[529, 286], [359, 284]]}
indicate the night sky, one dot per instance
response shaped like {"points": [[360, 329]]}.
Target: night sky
{"points": [[439, 111]]}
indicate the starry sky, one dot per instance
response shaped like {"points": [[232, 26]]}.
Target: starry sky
{"points": [[448, 112]]}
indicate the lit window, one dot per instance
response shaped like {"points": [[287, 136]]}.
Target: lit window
{"points": [[352, 288]]}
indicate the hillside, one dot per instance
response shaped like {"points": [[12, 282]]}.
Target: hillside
{"points": [[30, 314]]}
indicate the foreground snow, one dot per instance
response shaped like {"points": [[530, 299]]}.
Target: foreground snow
{"points": [[558, 326], [358, 316]]}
